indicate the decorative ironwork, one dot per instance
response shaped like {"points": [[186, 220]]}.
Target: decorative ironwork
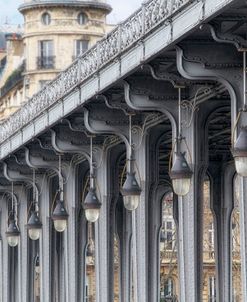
{"points": [[149, 16]]}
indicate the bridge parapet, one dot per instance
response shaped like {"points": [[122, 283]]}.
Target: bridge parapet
{"points": [[135, 28]]}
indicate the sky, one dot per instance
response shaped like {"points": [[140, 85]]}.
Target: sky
{"points": [[121, 10]]}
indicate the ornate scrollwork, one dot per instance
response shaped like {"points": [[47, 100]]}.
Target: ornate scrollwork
{"points": [[120, 39]]}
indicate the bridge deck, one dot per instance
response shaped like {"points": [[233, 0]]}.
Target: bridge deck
{"points": [[152, 29]]}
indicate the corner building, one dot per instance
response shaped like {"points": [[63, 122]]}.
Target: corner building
{"points": [[55, 33]]}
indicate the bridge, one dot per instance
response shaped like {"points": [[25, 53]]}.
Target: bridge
{"points": [[169, 77]]}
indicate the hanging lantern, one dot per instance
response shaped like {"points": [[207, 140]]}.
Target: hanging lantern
{"points": [[60, 216], [180, 175], [13, 233], [92, 206], [131, 192], [34, 226]]}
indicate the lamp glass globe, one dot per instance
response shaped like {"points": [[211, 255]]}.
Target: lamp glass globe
{"points": [[131, 202], [13, 240], [34, 234], [181, 186], [92, 215], [60, 225]]}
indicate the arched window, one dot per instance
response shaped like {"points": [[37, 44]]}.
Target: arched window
{"points": [[236, 259], [168, 252], [46, 18], [82, 18], [209, 265]]}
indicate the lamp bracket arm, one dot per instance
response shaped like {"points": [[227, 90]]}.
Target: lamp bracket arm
{"points": [[35, 162], [175, 80], [62, 146], [227, 37], [103, 129]]}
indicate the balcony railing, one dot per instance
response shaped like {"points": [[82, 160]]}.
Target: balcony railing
{"points": [[150, 16], [46, 62], [172, 298]]}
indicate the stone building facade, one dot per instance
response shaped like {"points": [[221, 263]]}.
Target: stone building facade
{"points": [[55, 33]]}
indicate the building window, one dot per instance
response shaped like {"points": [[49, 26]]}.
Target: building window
{"points": [[168, 288], [80, 47], [90, 278], [211, 236], [46, 59], [168, 251], [46, 19], [37, 279], [212, 289], [168, 234], [82, 19]]}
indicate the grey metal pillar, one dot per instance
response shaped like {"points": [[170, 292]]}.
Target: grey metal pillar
{"points": [[125, 237], [190, 209], [45, 246], [22, 246], [102, 234], [222, 205], [140, 225], [70, 244]]}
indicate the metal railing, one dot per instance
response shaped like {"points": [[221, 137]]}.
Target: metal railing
{"points": [[139, 24]]}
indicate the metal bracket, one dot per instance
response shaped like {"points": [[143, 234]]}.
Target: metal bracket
{"points": [[227, 37]]}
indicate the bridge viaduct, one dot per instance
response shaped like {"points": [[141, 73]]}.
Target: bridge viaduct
{"points": [[168, 53]]}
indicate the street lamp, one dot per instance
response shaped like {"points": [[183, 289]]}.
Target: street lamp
{"points": [[239, 150], [34, 224], [13, 231], [60, 214], [92, 204], [131, 190], [180, 173]]}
